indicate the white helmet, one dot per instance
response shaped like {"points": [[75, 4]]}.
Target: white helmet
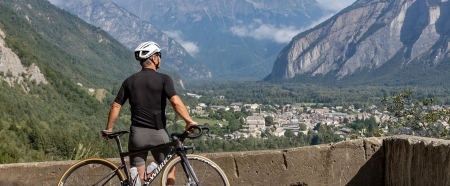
{"points": [[145, 50]]}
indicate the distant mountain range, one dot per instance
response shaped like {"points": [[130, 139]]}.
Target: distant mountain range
{"points": [[130, 30], [386, 42], [233, 39]]}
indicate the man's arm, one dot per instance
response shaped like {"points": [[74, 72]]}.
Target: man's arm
{"points": [[113, 114], [180, 109]]}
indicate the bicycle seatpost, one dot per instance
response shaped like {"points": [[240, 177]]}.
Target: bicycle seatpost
{"points": [[119, 144]]}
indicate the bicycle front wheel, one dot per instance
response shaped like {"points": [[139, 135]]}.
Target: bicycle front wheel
{"points": [[92, 171], [206, 171]]}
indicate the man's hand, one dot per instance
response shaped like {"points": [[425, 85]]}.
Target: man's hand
{"points": [[188, 126], [105, 136]]}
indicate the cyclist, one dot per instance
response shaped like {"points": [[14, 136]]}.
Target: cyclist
{"points": [[146, 92]]}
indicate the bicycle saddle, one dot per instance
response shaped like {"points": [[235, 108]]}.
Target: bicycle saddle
{"points": [[112, 135]]}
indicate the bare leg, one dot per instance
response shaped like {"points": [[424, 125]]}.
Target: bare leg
{"points": [[141, 170], [171, 177]]}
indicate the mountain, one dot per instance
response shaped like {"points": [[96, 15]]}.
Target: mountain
{"points": [[44, 114], [235, 39], [130, 30], [387, 42], [88, 54], [58, 77]]}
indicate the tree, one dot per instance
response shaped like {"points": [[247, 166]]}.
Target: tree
{"points": [[263, 134], [268, 120], [289, 133], [371, 124], [419, 115], [234, 125], [302, 126], [346, 120]]}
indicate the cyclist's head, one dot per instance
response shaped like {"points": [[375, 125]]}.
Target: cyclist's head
{"points": [[146, 50]]}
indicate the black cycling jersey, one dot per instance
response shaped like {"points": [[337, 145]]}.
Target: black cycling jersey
{"points": [[147, 91]]}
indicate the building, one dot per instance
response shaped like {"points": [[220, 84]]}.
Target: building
{"points": [[194, 95], [217, 107], [255, 122], [251, 107], [237, 106]]}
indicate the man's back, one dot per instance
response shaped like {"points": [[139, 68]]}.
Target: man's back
{"points": [[147, 92]]}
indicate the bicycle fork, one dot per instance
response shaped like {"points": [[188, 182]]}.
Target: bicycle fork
{"points": [[190, 174]]}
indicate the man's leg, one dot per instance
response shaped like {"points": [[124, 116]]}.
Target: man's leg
{"points": [[137, 140], [171, 177], [141, 171], [160, 154]]}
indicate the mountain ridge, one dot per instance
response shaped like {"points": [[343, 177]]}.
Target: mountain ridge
{"points": [[341, 47]]}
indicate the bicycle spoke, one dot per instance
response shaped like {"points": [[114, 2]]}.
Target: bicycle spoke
{"points": [[92, 172], [205, 170]]}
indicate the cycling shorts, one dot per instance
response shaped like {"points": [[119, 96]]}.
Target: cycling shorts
{"points": [[141, 137]]}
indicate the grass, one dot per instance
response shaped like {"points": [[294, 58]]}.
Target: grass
{"points": [[100, 94]]}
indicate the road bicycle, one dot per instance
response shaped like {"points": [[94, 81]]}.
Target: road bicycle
{"points": [[190, 169]]}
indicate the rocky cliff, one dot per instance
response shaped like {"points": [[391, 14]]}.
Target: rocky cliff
{"points": [[368, 35], [130, 30], [12, 69]]}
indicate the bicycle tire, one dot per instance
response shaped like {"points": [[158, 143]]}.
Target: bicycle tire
{"points": [[92, 171], [207, 172]]}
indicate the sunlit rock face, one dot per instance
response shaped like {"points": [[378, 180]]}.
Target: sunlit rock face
{"points": [[366, 36]]}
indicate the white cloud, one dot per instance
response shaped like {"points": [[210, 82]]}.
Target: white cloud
{"points": [[335, 5], [189, 46], [261, 31]]}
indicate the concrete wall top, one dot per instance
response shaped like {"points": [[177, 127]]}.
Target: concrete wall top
{"points": [[355, 162], [417, 161]]}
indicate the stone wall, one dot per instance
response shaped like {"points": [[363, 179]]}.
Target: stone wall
{"points": [[411, 161], [417, 161]]}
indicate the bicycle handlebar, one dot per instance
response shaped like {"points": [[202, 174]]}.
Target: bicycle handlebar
{"points": [[197, 132]]}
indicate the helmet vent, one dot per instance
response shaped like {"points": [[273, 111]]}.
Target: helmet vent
{"points": [[145, 50]]}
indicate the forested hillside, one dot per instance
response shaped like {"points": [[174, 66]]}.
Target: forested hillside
{"points": [[59, 120], [87, 54], [50, 121]]}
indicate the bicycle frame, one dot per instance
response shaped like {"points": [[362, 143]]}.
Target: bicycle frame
{"points": [[178, 149]]}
